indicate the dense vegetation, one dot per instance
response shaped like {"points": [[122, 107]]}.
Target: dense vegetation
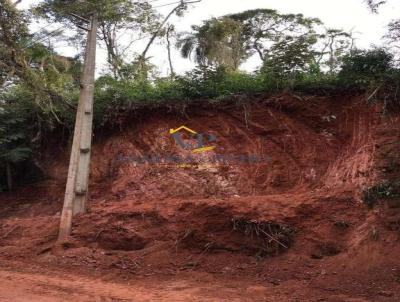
{"points": [[39, 88]]}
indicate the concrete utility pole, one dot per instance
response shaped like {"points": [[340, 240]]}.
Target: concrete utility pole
{"points": [[76, 193]]}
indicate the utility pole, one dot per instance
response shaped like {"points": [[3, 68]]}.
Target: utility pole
{"points": [[76, 193]]}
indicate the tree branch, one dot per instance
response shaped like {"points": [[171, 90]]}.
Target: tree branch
{"points": [[155, 34]]}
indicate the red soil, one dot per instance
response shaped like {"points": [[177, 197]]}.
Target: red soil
{"points": [[289, 229]]}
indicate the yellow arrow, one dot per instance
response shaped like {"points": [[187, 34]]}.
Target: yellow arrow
{"points": [[172, 131]]}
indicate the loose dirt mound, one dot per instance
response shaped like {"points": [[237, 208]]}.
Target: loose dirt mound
{"points": [[274, 203]]}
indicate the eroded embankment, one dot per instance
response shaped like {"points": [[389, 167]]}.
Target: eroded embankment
{"points": [[288, 181], [301, 143]]}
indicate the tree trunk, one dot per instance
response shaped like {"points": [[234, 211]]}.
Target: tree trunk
{"points": [[171, 66], [142, 57], [113, 57], [10, 183], [155, 34], [260, 53]]}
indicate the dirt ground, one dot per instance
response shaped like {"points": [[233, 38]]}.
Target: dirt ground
{"points": [[290, 228], [56, 286]]}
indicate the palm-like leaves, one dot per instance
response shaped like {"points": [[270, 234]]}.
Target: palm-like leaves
{"points": [[216, 42], [192, 47]]}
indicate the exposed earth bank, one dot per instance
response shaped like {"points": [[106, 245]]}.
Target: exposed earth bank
{"points": [[273, 212]]}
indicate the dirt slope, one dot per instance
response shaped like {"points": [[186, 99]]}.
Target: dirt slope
{"points": [[286, 225]]}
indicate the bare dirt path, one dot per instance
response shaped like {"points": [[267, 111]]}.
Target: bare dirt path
{"points": [[20, 287], [17, 287], [28, 287]]}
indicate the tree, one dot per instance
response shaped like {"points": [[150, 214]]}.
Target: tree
{"points": [[264, 28], [169, 34], [116, 18], [13, 36], [35, 84], [160, 31], [230, 40], [336, 44], [393, 35], [141, 19], [291, 56], [217, 42], [32, 65]]}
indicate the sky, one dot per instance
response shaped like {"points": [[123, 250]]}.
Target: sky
{"points": [[349, 15]]}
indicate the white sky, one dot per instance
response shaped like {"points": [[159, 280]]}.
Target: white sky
{"points": [[342, 14]]}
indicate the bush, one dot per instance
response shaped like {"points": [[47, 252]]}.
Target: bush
{"points": [[364, 68], [13, 145], [208, 82], [374, 72], [113, 96]]}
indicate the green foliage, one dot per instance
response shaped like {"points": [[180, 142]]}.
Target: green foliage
{"points": [[218, 42], [291, 55], [203, 82], [361, 71], [13, 35], [113, 96], [373, 71], [366, 67], [214, 82], [265, 29], [13, 141], [230, 40], [108, 10], [32, 69]]}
